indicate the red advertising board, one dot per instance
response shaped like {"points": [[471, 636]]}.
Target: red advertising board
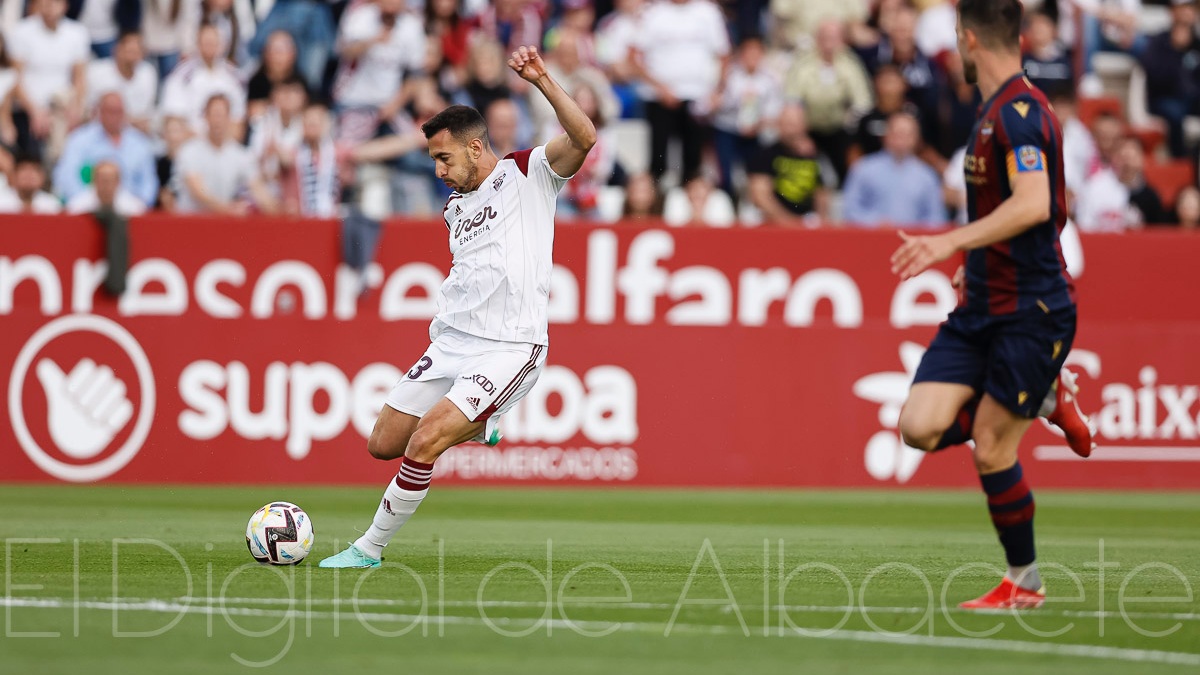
{"points": [[242, 353]]}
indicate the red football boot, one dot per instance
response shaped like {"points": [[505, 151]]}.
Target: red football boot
{"points": [[1068, 417], [1008, 596]]}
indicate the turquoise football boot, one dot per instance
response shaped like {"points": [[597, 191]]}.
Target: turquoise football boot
{"points": [[352, 557]]}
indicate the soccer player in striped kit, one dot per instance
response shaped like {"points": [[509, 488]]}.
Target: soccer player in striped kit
{"points": [[489, 338], [997, 361]]}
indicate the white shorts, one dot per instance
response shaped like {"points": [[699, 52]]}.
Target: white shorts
{"points": [[484, 378]]}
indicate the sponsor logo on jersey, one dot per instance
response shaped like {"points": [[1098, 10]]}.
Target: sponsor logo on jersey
{"points": [[1022, 108], [474, 401], [467, 224], [387, 506]]}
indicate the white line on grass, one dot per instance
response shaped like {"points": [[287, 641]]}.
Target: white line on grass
{"points": [[978, 644], [616, 604]]}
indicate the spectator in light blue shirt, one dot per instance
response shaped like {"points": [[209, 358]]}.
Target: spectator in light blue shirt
{"points": [[892, 186], [110, 137]]}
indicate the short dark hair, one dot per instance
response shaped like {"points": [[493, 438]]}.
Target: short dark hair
{"points": [[462, 121], [997, 23]]}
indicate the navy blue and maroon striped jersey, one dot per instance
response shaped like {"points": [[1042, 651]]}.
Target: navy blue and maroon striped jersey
{"points": [[1016, 132]]}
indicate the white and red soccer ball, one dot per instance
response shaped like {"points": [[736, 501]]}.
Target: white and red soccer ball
{"points": [[279, 533]]}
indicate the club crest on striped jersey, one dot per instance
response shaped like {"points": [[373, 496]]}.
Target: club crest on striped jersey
{"points": [[499, 180], [986, 128]]}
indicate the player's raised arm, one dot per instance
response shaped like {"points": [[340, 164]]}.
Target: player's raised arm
{"points": [[566, 152]]}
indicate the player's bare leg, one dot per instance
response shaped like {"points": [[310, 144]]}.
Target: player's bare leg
{"points": [[937, 414], [998, 434], [389, 438], [424, 440]]}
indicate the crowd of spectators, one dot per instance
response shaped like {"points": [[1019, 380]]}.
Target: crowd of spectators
{"points": [[807, 113]]}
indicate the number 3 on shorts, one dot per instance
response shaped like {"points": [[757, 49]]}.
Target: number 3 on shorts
{"points": [[420, 367]]}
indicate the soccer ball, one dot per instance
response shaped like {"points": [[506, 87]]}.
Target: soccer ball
{"points": [[279, 533]]}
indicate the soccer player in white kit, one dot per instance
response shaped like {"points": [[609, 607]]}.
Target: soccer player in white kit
{"points": [[489, 338]]}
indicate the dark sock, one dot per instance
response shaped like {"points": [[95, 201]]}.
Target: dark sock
{"points": [[1011, 504], [960, 431]]}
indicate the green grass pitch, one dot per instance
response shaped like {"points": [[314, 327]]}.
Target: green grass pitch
{"points": [[594, 581]]}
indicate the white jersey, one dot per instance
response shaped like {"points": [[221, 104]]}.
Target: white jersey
{"points": [[502, 238]]}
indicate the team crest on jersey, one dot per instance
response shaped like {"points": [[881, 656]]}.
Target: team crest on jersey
{"points": [[1029, 157], [499, 181], [987, 128]]}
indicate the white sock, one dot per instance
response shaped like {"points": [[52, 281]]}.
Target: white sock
{"points": [[395, 508], [1050, 403], [1025, 576]]}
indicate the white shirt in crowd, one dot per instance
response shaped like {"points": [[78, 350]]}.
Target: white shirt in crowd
{"points": [[138, 92], [954, 178], [1079, 153], [160, 34], [189, 86], [8, 81], [48, 56], [682, 45], [43, 202], [375, 77], [269, 129], [501, 239], [1102, 205], [98, 18], [615, 34], [748, 99], [124, 203], [225, 171]]}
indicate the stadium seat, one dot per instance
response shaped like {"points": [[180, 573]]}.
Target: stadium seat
{"points": [[1090, 108], [1169, 177]]}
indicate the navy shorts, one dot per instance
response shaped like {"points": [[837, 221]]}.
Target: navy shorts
{"points": [[1015, 357]]}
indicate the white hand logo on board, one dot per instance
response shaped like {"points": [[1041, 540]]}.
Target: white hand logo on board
{"points": [[87, 407], [886, 454]]}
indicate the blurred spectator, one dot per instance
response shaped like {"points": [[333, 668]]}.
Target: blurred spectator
{"points": [[749, 104], [379, 43], [1129, 164], [214, 172], [233, 19], [681, 53], [106, 193], [175, 133], [936, 28], [278, 131], [579, 17], [128, 73], [698, 203], [445, 24], [503, 126], [1172, 64], [27, 193], [1107, 130], [642, 198], [958, 110], [890, 98], [893, 187], [1079, 150], [615, 37], [8, 94], [1046, 61], [110, 137], [565, 64], [580, 197], [198, 78], [311, 27], [1116, 198], [51, 53], [512, 23], [785, 178], [1187, 208], [898, 47], [310, 179], [278, 64], [833, 85], [105, 20], [164, 33], [794, 22], [485, 74], [1108, 25]]}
